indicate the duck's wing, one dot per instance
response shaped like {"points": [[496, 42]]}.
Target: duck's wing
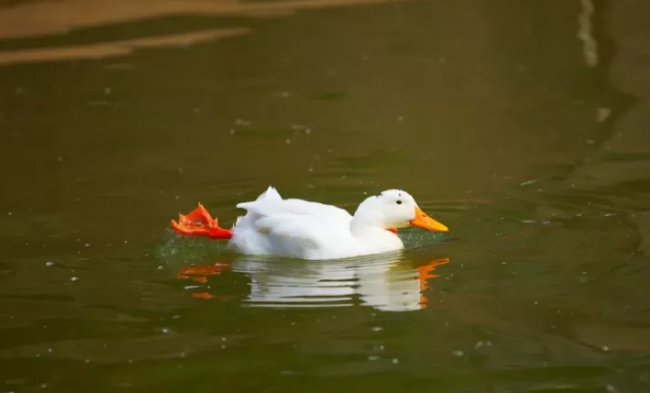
{"points": [[290, 227], [270, 204], [301, 236], [269, 208], [271, 194], [292, 234]]}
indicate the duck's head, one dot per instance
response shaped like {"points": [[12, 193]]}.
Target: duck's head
{"points": [[395, 209]]}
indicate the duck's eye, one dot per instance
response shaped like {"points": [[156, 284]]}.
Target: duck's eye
{"points": [[399, 202]]}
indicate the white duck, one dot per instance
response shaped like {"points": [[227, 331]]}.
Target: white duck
{"points": [[302, 229]]}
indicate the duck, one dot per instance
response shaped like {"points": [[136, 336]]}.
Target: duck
{"points": [[301, 229]]}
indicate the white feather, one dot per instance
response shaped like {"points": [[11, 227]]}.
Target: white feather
{"points": [[310, 230]]}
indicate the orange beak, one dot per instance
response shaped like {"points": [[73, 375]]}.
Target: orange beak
{"points": [[423, 220]]}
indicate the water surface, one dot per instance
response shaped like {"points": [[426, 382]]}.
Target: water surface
{"points": [[520, 125]]}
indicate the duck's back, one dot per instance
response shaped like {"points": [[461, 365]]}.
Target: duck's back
{"points": [[293, 228]]}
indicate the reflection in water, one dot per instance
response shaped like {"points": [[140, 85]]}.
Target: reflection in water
{"points": [[387, 283], [585, 33], [116, 48], [31, 19], [38, 18]]}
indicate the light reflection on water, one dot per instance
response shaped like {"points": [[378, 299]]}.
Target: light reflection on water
{"points": [[385, 282]]}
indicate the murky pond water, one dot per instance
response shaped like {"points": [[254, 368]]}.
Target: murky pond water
{"points": [[522, 125]]}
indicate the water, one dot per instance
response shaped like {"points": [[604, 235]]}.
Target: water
{"points": [[520, 125]]}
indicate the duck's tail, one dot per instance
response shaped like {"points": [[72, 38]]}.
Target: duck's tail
{"points": [[199, 223]]}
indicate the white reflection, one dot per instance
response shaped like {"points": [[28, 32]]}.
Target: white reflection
{"points": [[386, 283], [585, 33]]}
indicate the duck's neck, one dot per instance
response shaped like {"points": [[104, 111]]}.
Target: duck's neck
{"points": [[366, 218], [368, 228], [360, 226]]}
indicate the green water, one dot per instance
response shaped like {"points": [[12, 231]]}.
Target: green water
{"points": [[521, 125]]}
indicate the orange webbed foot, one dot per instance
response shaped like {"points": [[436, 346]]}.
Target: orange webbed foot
{"points": [[200, 215], [199, 222]]}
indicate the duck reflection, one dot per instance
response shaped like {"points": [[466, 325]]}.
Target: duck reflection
{"points": [[386, 283]]}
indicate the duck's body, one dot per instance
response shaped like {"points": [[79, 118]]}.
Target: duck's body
{"points": [[308, 230], [302, 229]]}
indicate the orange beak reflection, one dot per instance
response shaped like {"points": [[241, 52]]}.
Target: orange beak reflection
{"points": [[423, 220]]}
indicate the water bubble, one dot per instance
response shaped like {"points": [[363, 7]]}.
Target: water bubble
{"points": [[165, 330], [457, 353], [373, 358], [377, 329], [49, 263], [74, 278], [288, 141], [10, 214], [611, 389], [605, 348], [395, 360]]}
